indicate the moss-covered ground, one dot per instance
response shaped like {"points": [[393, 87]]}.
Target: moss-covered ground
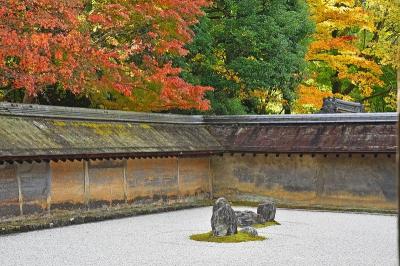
{"points": [[265, 224], [239, 237], [236, 238]]}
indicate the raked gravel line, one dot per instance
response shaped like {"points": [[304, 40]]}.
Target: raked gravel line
{"points": [[304, 238]]}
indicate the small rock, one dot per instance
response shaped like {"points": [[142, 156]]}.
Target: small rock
{"points": [[72, 219], [51, 224], [247, 218], [267, 210], [223, 220], [250, 230]]}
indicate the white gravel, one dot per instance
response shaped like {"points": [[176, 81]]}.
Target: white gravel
{"points": [[304, 238]]}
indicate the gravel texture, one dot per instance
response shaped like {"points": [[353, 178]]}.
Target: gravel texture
{"points": [[303, 238]]}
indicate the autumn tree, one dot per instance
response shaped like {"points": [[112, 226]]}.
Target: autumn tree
{"points": [[385, 43], [147, 34], [338, 64], [117, 48], [251, 52], [40, 45]]}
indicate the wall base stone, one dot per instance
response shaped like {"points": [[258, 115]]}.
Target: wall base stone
{"points": [[60, 218]]}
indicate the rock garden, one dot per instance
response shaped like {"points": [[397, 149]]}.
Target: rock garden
{"points": [[225, 223]]}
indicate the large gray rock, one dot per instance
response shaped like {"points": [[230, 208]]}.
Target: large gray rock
{"points": [[247, 218], [223, 220], [250, 230], [267, 210]]}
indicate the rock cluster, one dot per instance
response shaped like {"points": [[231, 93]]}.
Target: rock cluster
{"points": [[223, 220]]}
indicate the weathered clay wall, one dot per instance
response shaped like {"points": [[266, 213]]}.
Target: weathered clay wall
{"points": [[35, 184], [41, 187], [169, 179], [67, 185], [359, 181], [194, 176], [24, 188], [105, 182], [9, 195], [153, 179]]}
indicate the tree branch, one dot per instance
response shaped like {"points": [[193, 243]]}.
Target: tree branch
{"points": [[377, 94]]}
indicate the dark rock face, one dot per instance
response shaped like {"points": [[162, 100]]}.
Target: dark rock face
{"points": [[223, 220], [250, 230], [247, 218], [267, 210]]}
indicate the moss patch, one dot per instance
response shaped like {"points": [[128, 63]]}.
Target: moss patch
{"points": [[236, 238], [145, 126], [271, 223], [59, 123]]}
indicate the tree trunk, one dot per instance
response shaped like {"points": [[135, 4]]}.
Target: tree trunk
{"points": [[28, 98], [398, 89], [287, 109], [398, 133], [336, 83]]}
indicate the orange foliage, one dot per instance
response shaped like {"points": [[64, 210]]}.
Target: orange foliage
{"points": [[40, 44], [310, 98], [46, 41], [158, 29]]}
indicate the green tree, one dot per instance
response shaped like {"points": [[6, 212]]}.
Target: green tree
{"points": [[252, 53]]}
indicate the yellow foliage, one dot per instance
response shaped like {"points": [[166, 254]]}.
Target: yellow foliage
{"points": [[386, 14], [343, 97], [391, 100], [335, 43], [221, 69], [270, 101], [112, 41]]}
